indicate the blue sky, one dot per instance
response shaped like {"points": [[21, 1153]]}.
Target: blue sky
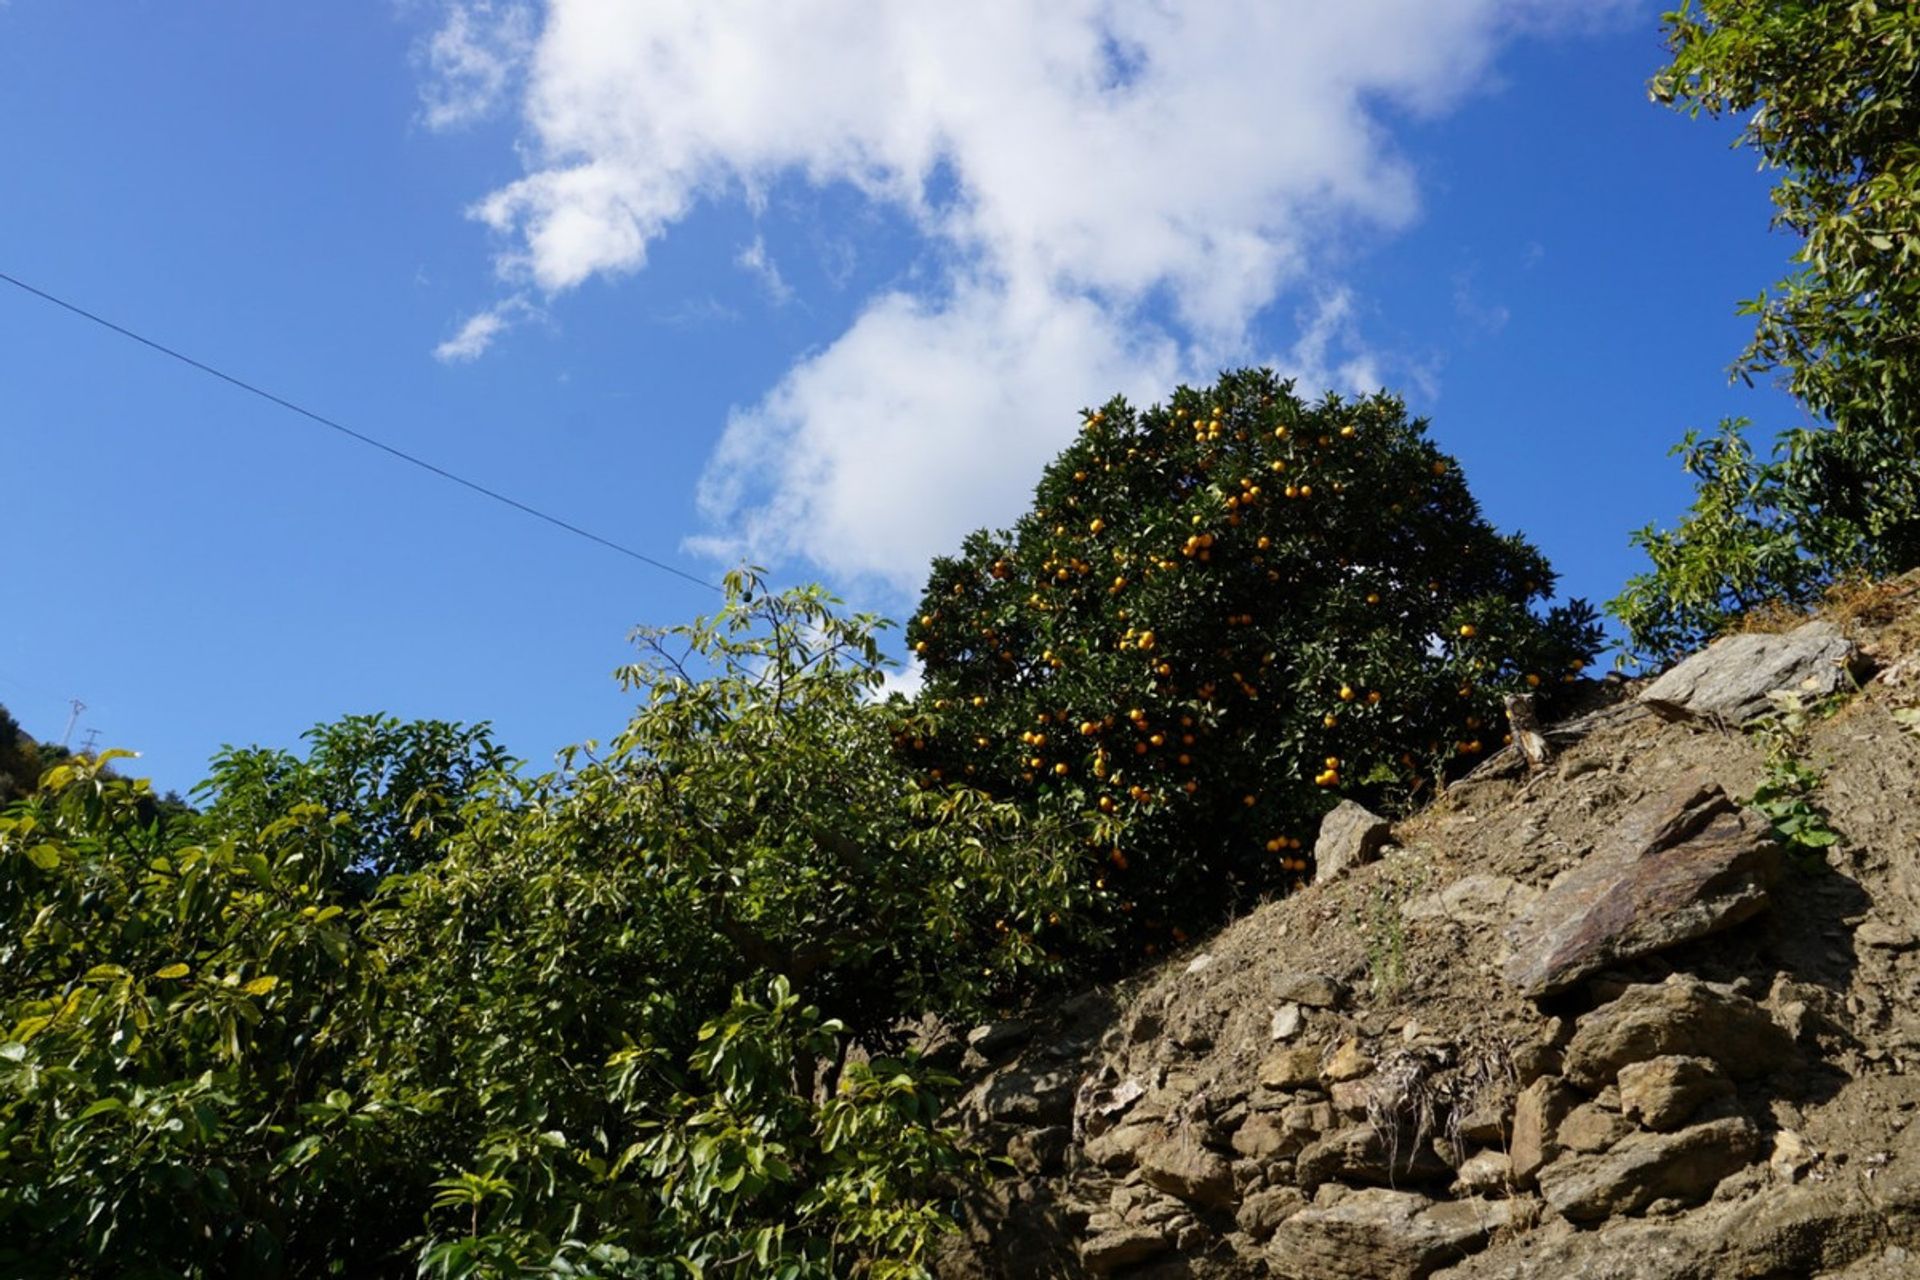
{"points": [[799, 282]]}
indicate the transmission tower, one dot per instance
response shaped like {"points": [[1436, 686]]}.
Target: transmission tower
{"points": [[78, 706]]}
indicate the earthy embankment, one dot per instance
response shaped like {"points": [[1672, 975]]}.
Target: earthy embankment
{"points": [[1590, 1020]]}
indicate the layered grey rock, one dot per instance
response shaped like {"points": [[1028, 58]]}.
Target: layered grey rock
{"points": [[1683, 1166], [1679, 866], [1382, 1234], [1731, 678]]}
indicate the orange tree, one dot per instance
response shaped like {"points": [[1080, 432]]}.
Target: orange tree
{"points": [[1220, 615]]}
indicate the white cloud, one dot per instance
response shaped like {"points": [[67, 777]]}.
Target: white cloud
{"points": [[926, 419], [905, 681], [1330, 353], [755, 259], [1112, 191], [472, 59], [481, 328]]}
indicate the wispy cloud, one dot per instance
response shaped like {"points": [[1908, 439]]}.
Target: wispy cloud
{"points": [[481, 328], [1478, 315], [472, 60], [756, 260]]}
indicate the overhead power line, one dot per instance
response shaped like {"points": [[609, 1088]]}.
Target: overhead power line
{"points": [[360, 436]]}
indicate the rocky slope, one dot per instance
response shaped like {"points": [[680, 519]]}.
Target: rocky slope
{"points": [[1590, 1020]]}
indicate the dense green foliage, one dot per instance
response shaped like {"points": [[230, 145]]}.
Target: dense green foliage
{"points": [[599, 1024], [1738, 548], [398, 788], [1830, 94], [1221, 614]]}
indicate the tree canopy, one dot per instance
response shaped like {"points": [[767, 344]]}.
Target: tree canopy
{"points": [[1221, 614], [1827, 90], [599, 1021]]}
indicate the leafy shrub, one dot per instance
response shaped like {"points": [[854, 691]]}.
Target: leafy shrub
{"points": [[1738, 548], [1221, 614], [607, 1028], [174, 1018], [1826, 93], [397, 788]]}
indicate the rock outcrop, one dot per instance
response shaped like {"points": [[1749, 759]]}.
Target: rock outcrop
{"points": [[1682, 864], [1584, 1022], [1731, 679]]}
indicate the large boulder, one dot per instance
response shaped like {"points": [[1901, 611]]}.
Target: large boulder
{"points": [[1314, 990], [1381, 1234], [1683, 1166], [1262, 1212], [1036, 1094], [1683, 864], [1730, 679], [1350, 836], [1682, 1016], [1291, 1068], [1181, 1167], [1663, 1093], [1123, 1246], [1537, 1114], [1389, 1156]]}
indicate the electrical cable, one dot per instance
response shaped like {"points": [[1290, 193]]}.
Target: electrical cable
{"points": [[360, 436]]}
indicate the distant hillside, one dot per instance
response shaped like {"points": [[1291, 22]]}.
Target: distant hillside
{"points": [[22, 760]]}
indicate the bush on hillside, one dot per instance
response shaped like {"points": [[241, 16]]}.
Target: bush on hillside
{"points": [[607, 1028], [1825, 90], [1738, 548], [1220, 615], [395, 788]]}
